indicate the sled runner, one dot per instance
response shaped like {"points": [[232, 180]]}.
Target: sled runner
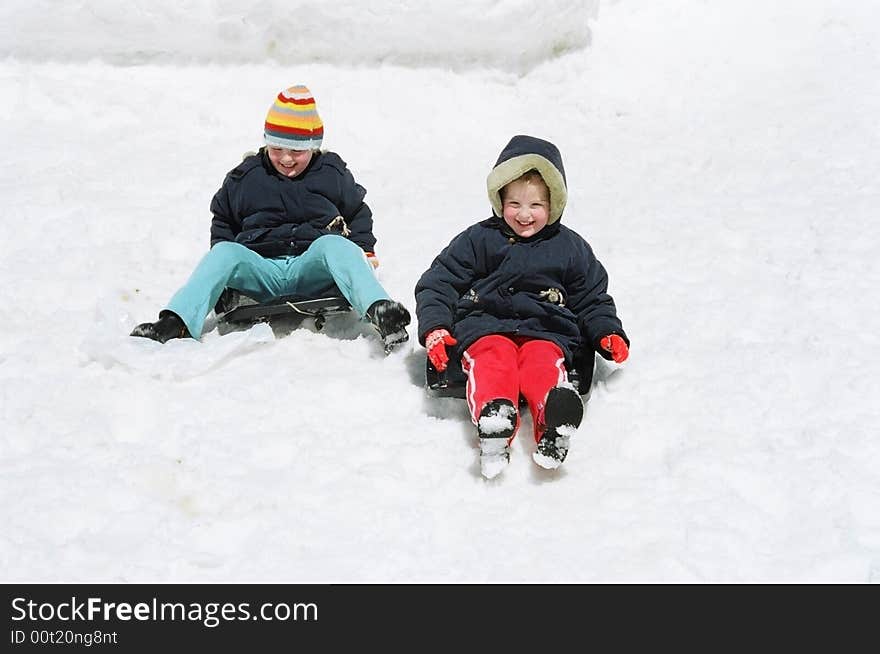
{"points": [[451, 382], [234, 308]]}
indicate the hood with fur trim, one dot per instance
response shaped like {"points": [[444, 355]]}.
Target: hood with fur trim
{"points": [[522, 154]]}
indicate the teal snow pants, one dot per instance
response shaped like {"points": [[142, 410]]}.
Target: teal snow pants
{"points": [[330, 260]]}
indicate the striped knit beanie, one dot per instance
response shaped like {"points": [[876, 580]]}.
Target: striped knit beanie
{"points": [[293, 121]]}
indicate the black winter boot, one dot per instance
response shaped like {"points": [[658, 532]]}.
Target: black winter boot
{"points": [[167, 327], [390, 319], [563, 413], [496, 427]]}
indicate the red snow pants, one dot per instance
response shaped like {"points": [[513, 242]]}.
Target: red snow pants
{"points": [[509, 366]]}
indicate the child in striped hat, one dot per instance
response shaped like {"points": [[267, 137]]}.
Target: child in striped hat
{"points": [[289, 219]]}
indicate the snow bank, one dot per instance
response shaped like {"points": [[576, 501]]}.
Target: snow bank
{"points": [[508, 34]]}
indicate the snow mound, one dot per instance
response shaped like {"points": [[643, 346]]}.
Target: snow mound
{"points": [[507, 34], [108, 344]]}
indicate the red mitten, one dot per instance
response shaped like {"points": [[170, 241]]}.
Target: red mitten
{"points": [[373, 259], [436, 342], [617, 346]]}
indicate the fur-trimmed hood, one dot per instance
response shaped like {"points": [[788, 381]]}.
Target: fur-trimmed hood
{"points": [[520, 155]]}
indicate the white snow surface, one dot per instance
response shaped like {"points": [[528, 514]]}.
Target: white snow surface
{"points": [[722, 159], [511, 34]]}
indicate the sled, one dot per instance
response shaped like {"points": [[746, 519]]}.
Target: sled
{"points": [[237, 309], [451, 382]]}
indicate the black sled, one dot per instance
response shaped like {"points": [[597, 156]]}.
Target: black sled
{"points": [[236, 310]]}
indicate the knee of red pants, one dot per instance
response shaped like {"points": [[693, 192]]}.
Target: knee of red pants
{"points": [[541, 367]]}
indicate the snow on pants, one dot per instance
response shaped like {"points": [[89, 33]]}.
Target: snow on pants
{"points": [[509, 366], [330, 259]]}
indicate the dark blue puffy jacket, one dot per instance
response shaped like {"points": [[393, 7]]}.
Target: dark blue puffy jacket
{"points": [[490, 281], [276, 215]]}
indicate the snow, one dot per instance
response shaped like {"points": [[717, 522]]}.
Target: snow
{"points": [[545, 461], [722, 160], [502, 421], [508, 34]]}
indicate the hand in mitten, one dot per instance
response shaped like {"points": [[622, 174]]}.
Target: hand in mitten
{"points": [[373, 259], [616, 345], [436, 342]]}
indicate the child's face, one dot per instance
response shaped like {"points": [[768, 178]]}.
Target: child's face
{"points": [[526, 206], [289, 163]]}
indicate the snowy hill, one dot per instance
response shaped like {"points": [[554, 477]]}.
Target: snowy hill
{"points": [[722, 160], [507, 34]]}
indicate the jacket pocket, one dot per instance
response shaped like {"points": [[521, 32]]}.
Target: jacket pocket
{"points": [[252, 235]]}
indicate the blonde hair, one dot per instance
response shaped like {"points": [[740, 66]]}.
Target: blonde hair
{"points": [[529, 177]]}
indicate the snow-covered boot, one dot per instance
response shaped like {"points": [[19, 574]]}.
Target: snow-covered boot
{"points": [[390, 319], [563, 412], [496, 427], [167, 327]]}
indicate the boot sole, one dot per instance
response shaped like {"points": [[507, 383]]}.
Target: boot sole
{"points": [[495, 430], [563, 407], [562, 416]]}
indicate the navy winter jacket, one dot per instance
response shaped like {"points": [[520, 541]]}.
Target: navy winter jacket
{"points": [[276, 215], [490, 281]]}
